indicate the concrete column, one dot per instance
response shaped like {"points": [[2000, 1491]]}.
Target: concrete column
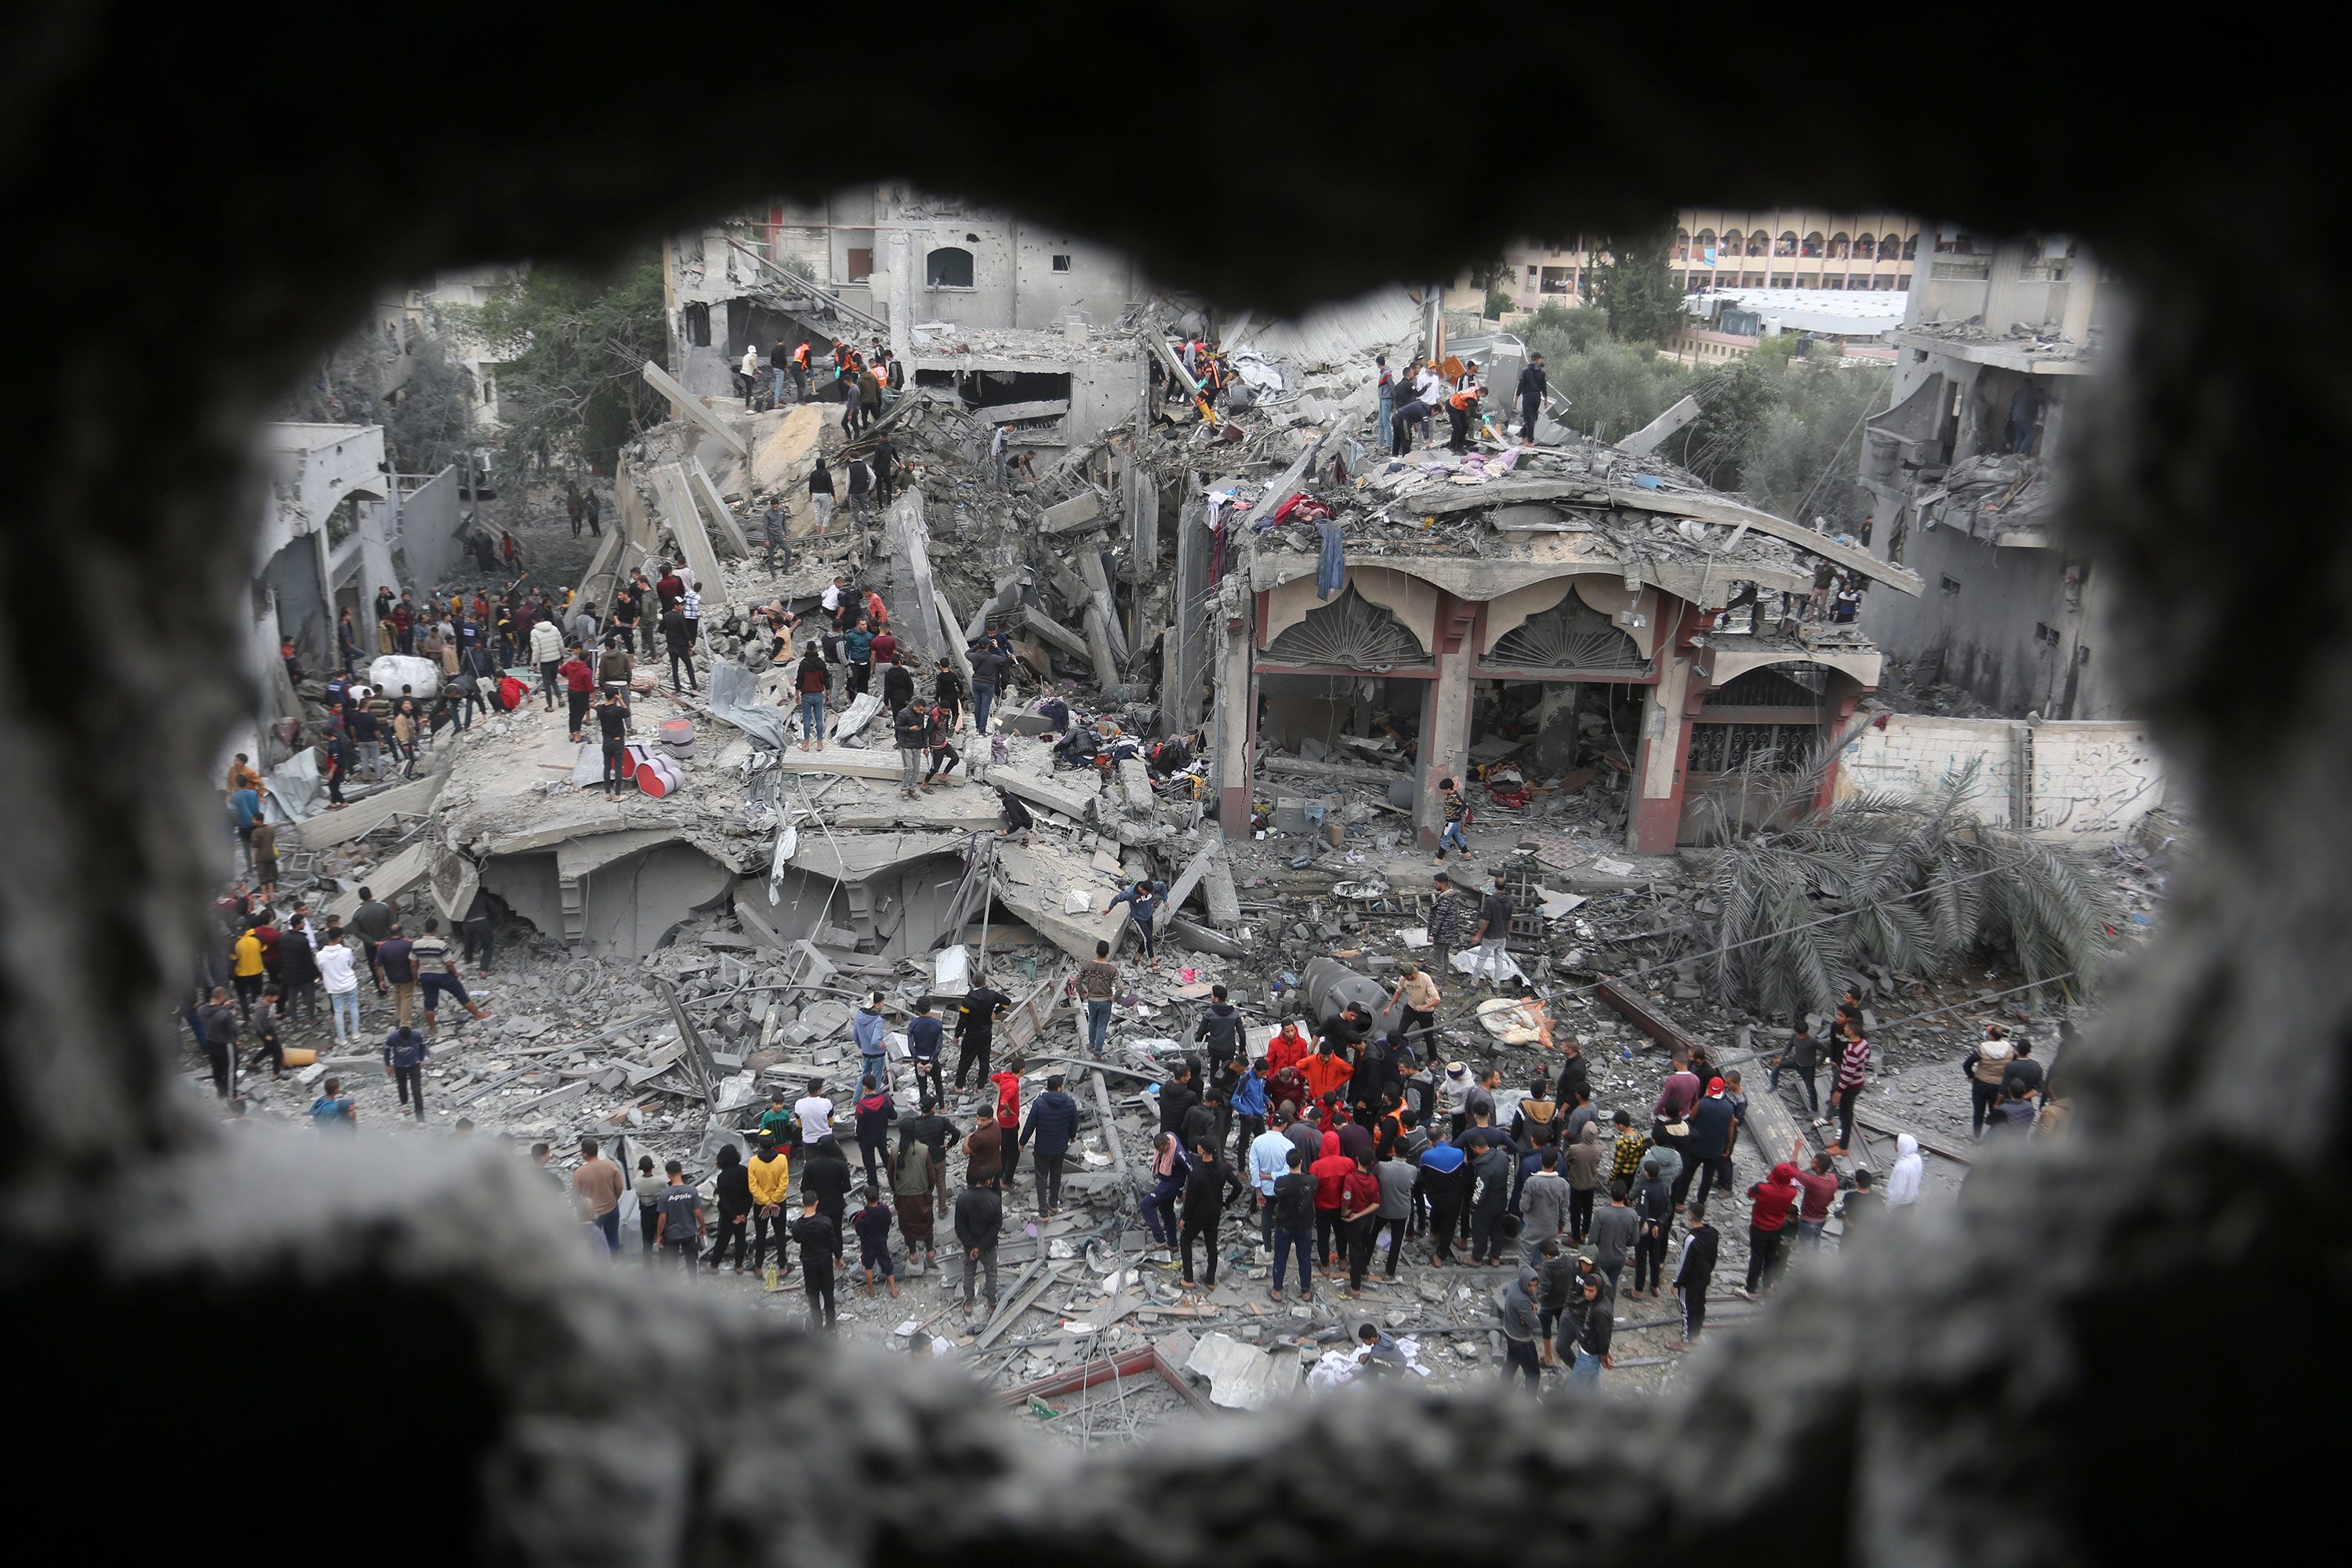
{"points": [[1446, 736], [1234, 723], [2081, 289], [1656, 820], [902, 297], [2002, 286]]}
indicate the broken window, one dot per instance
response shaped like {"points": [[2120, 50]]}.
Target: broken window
{"points": [[1061, 261], [1951, 586], [949, 266], [1554, 280], [697, 324], [861, 263], [2045, 634]]}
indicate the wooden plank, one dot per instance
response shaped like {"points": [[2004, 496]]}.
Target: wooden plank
{"points": [[1631, 1005], [686, 403], [1015, 1307], [1715, 508]]}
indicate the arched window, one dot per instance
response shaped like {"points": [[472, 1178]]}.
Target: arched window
{"points": [[1787, 243], [1840, 246], [1865, 247], [949, 266], [1910, 246], [1758, 242], [1812, 245], [1706, 237]]}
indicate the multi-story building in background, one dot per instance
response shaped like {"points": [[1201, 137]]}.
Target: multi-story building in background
{"points": [[1724, 247]]}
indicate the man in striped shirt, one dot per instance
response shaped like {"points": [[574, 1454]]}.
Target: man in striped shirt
{"points": [[1853, 1067]]}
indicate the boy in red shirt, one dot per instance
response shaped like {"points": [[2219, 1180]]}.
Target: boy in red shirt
{"points": [[579, 685]]}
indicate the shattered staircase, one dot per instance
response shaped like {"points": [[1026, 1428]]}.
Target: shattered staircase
{"points": [[806, 302]]}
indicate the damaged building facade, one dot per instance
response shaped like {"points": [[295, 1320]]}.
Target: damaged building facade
{"points": [[1962, 469]]}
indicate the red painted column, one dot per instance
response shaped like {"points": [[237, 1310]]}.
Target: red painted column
{"points": [[1655, 822]]}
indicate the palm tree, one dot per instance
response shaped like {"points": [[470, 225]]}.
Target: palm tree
{"points": [[1805, 897]]}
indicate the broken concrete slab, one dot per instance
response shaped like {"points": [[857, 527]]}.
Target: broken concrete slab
{"points": [[1060, 636], [1077, 513], [679, 509], [700, 482], [1034, 881], [331, 827], [694, 408], [388, 879], [1645, 441]]}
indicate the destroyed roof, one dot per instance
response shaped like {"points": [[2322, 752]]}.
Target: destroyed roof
{"points": [[1552, 509], [2018, 348], [1332, 333], [1842, 312]]}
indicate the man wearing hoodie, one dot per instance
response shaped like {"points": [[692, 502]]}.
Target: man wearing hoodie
{"points": [[770, 1177], [1220, 1031], [1054, 1122], [1178, 1097], [870, 1028], [1515, 1305], [875, 1114], [1209, 1185], [1903, 1183], [1249, 1108], [1584, 1158], [1693, 1272], [1819, 1188], [734, 1185], [1330, 1170], [1543, 1205], [1592, 1335], [1445, 1183], [1653, 1220], [1773, 1197], [1491, 1169], [1453, 1097]]}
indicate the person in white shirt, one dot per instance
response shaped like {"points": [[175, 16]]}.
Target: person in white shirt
{"points": [[996, 457], [1430, 388], [343, 983], [748, 372], [814, 1113], [1902, 1186]]}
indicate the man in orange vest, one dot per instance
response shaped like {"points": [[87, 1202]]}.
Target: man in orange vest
{"points": [[1459, 407], [800, 372]]}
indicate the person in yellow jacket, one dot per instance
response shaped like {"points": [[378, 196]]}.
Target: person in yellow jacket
{"points": [[246, 970], [771, 1176]]}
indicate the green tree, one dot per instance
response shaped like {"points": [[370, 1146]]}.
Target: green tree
{"points": [[1803, 459], [408, 384], [571, 348], [1638, 289], [1499, 303]]}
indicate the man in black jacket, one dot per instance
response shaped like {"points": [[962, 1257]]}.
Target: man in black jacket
{"points": [[820, 1243], [1533, 383], [1692, 1275], [824, 1175], [1208, 1188], [1294, 1227], [1054, 1122], [734, 1208], [1176, 1097], [1219, 1030], [976, 1028], [988, 667], [910, 727], [678, 634], [979, 1216]]}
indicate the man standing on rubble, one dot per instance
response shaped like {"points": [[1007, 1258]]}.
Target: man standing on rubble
{"points": [[819, 1239], [996, 457], [1457, 820], [395, 966], [547, 653], [678, 1223], [1494, 932], [870, 1028], [404, 1063], [978, 1217], [1054, 1122], [1097, 985], [924, 1035], [976, 1028], [911, 729], [939, 736], [678, 633], [989, 664], [1143, 901], [770, 1176], [1533, 383]]}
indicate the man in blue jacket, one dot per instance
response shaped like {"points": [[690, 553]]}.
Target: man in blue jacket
{"points": [[1054, 1122], [1143, 900]]}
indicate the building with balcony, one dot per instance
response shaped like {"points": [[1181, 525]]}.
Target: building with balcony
{"points": [[1961, 469], [1720, 248]]}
